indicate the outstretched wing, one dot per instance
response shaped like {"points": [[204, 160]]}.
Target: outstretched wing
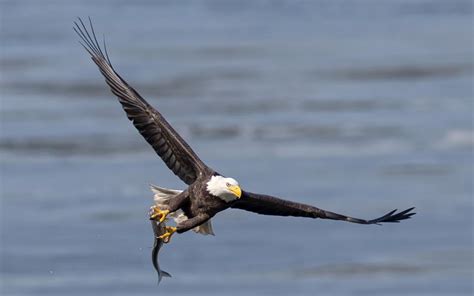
{"points": [[269, 205], [168, 144]]}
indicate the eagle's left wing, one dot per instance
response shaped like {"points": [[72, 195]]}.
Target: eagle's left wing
{"points": [[168, 144], [269, 205]]}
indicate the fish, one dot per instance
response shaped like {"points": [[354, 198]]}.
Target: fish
{"points": [[158, 230]]}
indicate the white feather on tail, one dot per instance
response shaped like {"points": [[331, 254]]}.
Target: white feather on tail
{"points": [[162, 197]]}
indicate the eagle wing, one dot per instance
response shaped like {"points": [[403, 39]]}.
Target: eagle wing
{"points": [[269, 205], [167, 143]]}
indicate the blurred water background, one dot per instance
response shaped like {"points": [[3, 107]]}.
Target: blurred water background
{"points": [[358, 107]]}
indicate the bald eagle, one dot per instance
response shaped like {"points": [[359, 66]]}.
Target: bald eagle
{"points": [[208, 192]]}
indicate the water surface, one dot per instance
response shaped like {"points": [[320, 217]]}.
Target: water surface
{"points": [[358, 107]]}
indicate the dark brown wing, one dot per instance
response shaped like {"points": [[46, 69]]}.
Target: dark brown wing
{"points": [[174, 151], [269, 205]]}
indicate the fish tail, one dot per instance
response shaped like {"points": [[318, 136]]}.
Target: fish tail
{"points": [[162, 274], [165, 274]]}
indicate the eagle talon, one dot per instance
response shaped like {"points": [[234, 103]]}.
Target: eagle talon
{"points": [[166, 237], [156, 212]]}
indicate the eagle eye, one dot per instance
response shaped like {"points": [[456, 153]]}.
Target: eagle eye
{"points": [[227, 184]]}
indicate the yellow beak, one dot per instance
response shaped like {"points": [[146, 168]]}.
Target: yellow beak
{"points": [[235, 189]]}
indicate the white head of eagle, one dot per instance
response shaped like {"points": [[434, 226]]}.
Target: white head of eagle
{"points": [[227, 189]]}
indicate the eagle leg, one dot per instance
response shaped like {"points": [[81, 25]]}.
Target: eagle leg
{"points": [[192, 222], [158, 214], [166, 237]]}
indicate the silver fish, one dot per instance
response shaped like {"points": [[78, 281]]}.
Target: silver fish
{"points": [[158, 230]]}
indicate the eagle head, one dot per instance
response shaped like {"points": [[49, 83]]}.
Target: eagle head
{"points": [[227, 189]]}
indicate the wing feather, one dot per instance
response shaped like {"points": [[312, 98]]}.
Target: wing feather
{"points": [[270, 205], [167, 143]]}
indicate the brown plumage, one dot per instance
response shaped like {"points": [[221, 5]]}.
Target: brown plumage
{"points": [[199, 202]]}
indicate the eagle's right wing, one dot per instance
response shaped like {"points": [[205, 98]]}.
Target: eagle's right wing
{"points": [[269, 205], [167, 143]]}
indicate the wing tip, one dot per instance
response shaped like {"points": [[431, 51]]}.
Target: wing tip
{"points": [[394, 217], [89, 40]]}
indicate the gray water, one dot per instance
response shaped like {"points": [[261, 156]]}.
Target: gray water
{"points": [[358, 107]]}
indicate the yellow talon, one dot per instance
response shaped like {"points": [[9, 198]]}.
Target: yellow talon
{"points": [[156, 212], [166, 237], [163, 215]]}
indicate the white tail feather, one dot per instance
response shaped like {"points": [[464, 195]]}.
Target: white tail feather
{"points": [[162, 197]]}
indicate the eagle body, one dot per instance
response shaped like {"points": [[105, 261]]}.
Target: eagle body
{"points": [[196, 204], [208, 192], [196, 201], [202, 201]]}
